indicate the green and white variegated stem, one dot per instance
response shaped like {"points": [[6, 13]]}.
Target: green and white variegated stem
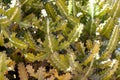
{"points": [[14, 41], [73, 36], [89, 70], [74, 7], [91, 8], [72, 63], [12, 17], [116, 8], [3, 65], [77, 33], [60, 4], [39, 57], [48, 36], [59, 61], [64, 11], [51, 11], [112, 43], [4, 32], [70, 7], [106, 31], [93, 52], [109, 74], [17, 43]]}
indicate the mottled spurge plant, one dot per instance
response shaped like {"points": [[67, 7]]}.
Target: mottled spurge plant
{"points": [[59, 39]]}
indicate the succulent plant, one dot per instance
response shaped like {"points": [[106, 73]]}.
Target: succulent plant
{"points": [[59, 39]]}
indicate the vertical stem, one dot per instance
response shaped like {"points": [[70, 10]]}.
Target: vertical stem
{"points": [[74, 8], [91, 64], [48, 36], [91, 9]]}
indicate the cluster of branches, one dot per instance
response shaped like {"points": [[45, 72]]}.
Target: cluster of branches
{"points": [[59, 39]]}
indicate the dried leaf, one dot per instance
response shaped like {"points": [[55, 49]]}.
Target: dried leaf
{"points": [[40, 74], [22, 72], [31, 71]]}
